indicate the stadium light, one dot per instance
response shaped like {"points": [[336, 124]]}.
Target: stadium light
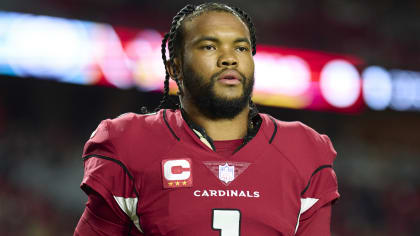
{"points": [[377, 87], [89, 53], [340, 83]]}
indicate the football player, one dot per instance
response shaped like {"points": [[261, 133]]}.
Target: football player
{"points": [[215, 166]]}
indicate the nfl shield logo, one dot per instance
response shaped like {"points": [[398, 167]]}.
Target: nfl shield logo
{"points": [[226, 173]]}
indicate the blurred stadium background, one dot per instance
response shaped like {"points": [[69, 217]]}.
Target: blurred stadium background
{"points": [[347, 68]]}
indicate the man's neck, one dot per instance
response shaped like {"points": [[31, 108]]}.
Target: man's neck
{"points": [[220, 129]]}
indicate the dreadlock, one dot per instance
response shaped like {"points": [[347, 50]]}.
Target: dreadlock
{"points": [[174, 38]]}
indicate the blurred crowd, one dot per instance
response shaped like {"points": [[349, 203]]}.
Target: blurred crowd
{"points": [[40, 171]]}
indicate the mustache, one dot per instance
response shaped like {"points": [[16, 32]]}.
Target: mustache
{"points": [[214, 76]]}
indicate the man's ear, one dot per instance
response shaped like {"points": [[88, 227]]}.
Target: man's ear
{"points": [[174, 69]]}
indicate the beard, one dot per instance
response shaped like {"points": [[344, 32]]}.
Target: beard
{"points": [[208, 102]]}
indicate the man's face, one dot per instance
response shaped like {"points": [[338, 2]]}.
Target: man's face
{"points": [[217, 64]]}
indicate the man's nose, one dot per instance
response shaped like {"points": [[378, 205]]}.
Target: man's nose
{"points": [[228, 59]]}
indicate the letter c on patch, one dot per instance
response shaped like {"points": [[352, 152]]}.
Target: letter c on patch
{"points": [[183, 175]]}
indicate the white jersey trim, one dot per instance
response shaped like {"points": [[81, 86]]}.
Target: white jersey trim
{"points": [[203, 139], [129, 206], [305, 204]]}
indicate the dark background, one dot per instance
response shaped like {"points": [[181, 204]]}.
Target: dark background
{"points": [[44, 124]]}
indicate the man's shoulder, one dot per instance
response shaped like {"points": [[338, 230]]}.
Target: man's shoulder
{"points": [[128, 121], [130, 129], [302, 145], [149, 121], [293, 130], [131, 139]]}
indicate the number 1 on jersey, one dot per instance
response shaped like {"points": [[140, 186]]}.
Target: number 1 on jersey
{"points": [[227, 221]]}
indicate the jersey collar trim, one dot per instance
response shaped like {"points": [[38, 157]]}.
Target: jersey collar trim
{"points": [[253, 127]]}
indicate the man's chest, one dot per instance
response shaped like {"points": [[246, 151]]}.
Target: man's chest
{"points": [[185, 192]]}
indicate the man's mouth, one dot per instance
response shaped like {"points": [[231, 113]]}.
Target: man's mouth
{"points": [[230, 77]]}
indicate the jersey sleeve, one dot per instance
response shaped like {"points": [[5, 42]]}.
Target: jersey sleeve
{"points": [[322, 187], [100, 220], [106, 174]]}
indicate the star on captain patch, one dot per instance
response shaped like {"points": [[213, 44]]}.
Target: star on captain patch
{"points": [[226, 173]]}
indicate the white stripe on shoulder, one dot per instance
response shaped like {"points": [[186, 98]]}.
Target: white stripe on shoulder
{"points": [[305, 204], [129, 206]]}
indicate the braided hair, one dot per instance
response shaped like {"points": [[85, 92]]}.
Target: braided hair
{"points": [[174, 38]]}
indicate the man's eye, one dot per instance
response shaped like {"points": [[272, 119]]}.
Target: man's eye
{"points": [[209, 47], [242, 49]]}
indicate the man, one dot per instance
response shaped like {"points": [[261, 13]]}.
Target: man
{"points": [[215, 166]]}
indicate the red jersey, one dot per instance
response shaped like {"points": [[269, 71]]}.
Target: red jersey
{"points": [[168, 180]]}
